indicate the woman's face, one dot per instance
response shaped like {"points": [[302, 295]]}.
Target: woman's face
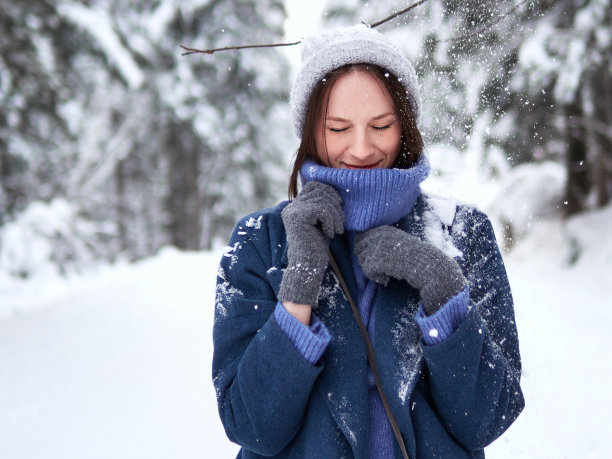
{"points": [[361, 129]]}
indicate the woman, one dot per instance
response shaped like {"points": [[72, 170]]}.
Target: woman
{"points": [[290, 365]]}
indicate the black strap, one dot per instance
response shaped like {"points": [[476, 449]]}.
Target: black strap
{"points": [[370, 353]]}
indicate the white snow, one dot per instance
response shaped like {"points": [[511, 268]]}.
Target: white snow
{"points": [[563, 312], [252, 223], [402, 332], [158, 21], [344, 407], [116, 364], [437, 221], [444, 208]]}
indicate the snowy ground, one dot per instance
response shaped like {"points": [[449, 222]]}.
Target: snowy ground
{"points": [[117, 364]]}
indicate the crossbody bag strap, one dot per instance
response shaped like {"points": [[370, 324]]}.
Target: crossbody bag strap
{"points": [[370, 354]]}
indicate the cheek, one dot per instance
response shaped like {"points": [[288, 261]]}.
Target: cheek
{"points": [[336, 146], [392, 144], [332, 145], [328, 149], [393, 148]]}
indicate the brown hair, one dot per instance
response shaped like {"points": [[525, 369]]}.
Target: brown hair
{"points": [[412, 142]]}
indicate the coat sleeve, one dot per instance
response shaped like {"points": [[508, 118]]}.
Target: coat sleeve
{"points": [[262, 382], [474, 375]]}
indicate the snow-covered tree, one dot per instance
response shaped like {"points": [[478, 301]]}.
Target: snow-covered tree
{"points": [[148, 147], [566, 64]]}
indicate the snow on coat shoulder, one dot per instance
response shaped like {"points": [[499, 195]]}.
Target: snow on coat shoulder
{"points": [[440, 225]]}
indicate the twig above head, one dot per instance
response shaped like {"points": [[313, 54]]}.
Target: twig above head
{"points": [[211, 51], [273, 45]]}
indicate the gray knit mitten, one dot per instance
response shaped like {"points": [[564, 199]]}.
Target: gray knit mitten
{"points": [[313, 217], [386, 251]]}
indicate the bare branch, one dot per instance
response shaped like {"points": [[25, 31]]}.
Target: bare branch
{"points": [[399, 13], [274, 45], [211, 51]]}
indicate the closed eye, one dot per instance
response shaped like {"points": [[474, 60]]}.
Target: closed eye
{"points": [[382, 128], [337, 129]]}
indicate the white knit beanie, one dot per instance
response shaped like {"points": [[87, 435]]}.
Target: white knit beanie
{"points": [[332, 49]]}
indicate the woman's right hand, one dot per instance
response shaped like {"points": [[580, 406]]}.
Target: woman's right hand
{"points": [[311, 219]]}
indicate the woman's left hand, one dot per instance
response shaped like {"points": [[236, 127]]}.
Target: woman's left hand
{"points": [[386, 251]]}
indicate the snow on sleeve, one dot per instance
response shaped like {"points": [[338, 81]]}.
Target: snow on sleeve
{"points": [[230, 252], [255, 224], [224, 292]]}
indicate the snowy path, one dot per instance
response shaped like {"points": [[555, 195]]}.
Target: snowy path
{"points": [[118, 364], [118, 367]]}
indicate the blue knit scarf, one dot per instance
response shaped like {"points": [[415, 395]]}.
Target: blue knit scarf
{"points": [[371, 198]]}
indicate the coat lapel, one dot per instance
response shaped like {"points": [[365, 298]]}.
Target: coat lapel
{"points": [[399, 355], [343, 383]]}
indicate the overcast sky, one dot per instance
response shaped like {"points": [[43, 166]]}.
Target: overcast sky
{"points": [[303, 19]]}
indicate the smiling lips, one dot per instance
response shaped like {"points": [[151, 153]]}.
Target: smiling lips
{"points": [[368, 166]]}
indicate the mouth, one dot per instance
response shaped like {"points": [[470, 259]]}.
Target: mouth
{"points": [[367, 166]]}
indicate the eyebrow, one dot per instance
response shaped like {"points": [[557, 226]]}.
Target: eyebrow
{"points": [[337, 118]]}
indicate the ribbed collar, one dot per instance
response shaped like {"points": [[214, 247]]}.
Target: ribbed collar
{"points": [[371, 197]]}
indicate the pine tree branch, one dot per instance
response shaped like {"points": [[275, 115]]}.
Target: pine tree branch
{"points": [[488, 25], [399, 13]]}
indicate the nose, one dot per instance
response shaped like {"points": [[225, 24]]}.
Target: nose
{"points": [[362, 149]]}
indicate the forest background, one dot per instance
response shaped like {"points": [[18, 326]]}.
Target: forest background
{"points": [[112, 145], [115, 151]]}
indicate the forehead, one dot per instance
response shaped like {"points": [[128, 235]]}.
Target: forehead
{"points": [[358, 93]]}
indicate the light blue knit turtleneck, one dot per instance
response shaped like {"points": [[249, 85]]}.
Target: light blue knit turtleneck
{"points": [[371, 197]]}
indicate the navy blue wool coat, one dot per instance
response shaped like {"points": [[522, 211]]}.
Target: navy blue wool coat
{"points": [[450, 400]]}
